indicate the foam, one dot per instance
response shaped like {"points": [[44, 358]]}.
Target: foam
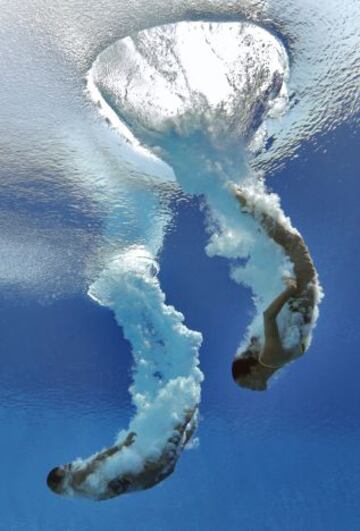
{"points": [[203, 122], [167, 379]]}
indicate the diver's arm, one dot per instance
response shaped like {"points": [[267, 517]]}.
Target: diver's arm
{"points": [[272, 346], [273, 351], [275, 307]]}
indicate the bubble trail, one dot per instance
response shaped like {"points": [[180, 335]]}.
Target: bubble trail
{"points": [[198, 95]]}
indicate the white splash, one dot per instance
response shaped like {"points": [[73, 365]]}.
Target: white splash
{"points": [[202, 101], [199, 95], [167, 378]]}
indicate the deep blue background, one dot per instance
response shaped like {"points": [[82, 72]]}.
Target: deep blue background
{"points": [[286, 459]]}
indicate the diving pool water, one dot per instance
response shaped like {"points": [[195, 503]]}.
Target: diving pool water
{"points": [[284, 459], [108, 180]]}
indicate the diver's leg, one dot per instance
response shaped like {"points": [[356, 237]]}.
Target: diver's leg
{"points": [[290, 241]]}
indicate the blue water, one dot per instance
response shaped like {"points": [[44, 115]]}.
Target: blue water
{"points": [[282, 460]]}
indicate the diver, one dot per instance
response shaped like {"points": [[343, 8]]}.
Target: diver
{"points": [[91, 478], [61, 477], [253, 367]]}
